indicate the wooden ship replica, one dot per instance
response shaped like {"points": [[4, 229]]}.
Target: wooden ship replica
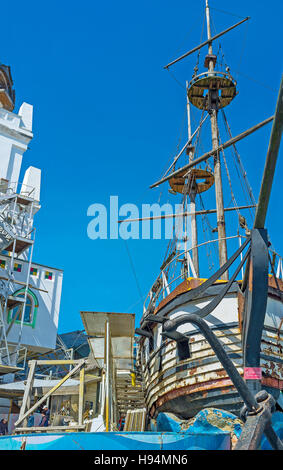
{"points": [[241, 303]]}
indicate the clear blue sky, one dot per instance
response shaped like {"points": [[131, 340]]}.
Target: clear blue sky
{"points": [[107, 119]]}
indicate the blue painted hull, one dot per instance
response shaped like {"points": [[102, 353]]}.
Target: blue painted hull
{"points": [[117, 441]]}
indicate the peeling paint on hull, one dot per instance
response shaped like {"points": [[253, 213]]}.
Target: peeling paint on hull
{"points": [[186, 387]]}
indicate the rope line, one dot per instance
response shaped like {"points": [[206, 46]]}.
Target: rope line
{"points": [[133, 269], [227, 12]]}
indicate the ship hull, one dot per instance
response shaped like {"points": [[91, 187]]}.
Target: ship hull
{"points": [[185, 387]]}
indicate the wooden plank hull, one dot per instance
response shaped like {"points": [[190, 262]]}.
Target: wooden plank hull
{"points": [[185, 387]]}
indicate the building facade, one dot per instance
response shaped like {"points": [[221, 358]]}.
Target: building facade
{"points": [[30, 293]]}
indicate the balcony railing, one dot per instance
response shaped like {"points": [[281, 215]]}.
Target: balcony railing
{"points": [[168, 279]]}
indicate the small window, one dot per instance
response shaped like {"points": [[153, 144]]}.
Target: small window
{"points": [[30, 310], [183, 350], [34, 272], [17, 267], [2, 263], [48, 275]]}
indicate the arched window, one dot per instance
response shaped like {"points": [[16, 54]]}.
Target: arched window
{"points": [[29, 311]]}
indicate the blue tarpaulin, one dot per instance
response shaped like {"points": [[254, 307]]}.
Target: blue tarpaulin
{"points": [[116, 441]]}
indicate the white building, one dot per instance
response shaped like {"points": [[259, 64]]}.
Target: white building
{"points": [[41, 315], [30, 293]]}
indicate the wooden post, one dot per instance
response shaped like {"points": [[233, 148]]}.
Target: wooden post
{"points": [[56, 362], [10, 410], [222, 245], [81, 395], [28, 391], [107, 375], [208, 33], [23, 416]]}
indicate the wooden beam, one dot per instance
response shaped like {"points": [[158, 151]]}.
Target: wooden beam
{"points": [[189, 141], [81, 395], [11, 393], [44, 362], [269, 169], [44, 398], [23, 284], [107, 340], [28, 390], [270, 163], [10, 410], [215, 151], [49, 428], [206, 42], [186, 214]]}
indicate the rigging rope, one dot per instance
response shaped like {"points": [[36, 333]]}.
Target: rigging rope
{"points": [[226, 12], [176, 80], [228, 177], [244, 44], [178, 144], [207, 245], [206, 225], [133, 269], [247, 188], [197, 140], [198, 54]]}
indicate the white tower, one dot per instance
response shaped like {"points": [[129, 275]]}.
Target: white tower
{"points": [[29, 293], [15, 135]]}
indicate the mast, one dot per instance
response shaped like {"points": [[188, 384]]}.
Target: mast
{"points": [[192, 195], [208, 91], [213, 110], [209, 154]]}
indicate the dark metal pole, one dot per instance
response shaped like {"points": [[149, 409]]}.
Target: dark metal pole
{"points": [[270, 164], [255, 309], [269, 169]]}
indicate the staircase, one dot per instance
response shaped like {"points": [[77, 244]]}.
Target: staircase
{"points": [[129, 392]]}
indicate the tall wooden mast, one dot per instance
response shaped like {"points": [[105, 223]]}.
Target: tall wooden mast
{"points": [[213, 95], [192, 195], [208, 91]]}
